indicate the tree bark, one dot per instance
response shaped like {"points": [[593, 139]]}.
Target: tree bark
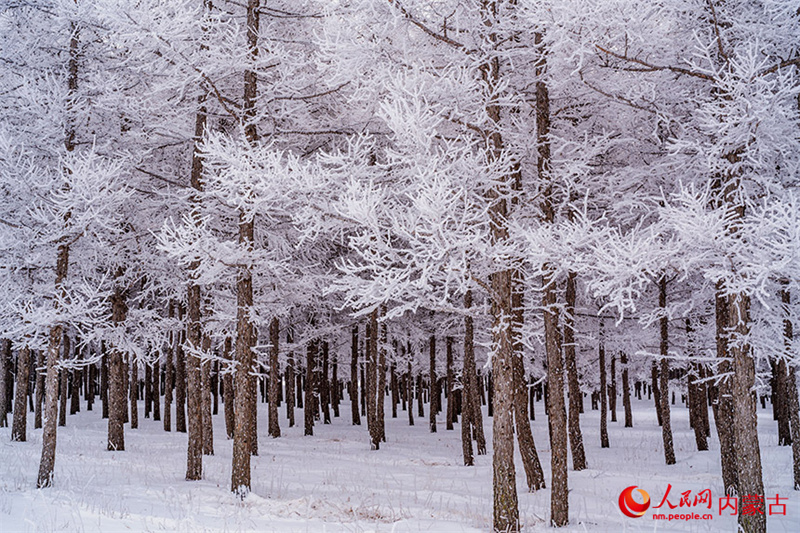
{"points": [[227, 388], [380, 415], [19, 423], [527, 446], [745, 420], [290, 380], [612, 391], [626, 391], [792, 402], [5, 383], [274, 377], [324, 385], [433, 382], [666, 426], [169, 371], [603, 390], [697, 394], [723, 398], [207, 427], [575, 400], [308, 408], [356, 416], [133, 390], [116, 387], [449, 384]]}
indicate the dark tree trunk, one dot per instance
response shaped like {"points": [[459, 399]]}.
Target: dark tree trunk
{"points": [[471, 394], [77, 378], [180, 380], [655, 389], [612, 391], [336, 392], [781, 405], [169, 372], [792, 403], [666, 427], [116, 380], [207, 427], [148, 390], [39, 388], [156, 391], [696, 393], [603, 391], [380, 416], [5, 382], [228, 393], [274, 377], [626, 391], [527, 446], [354, 377], [324, 386], [575, 399], [308, 412], [19, 422], [372, 380], [433, 382], [133, 390], [63, 385], [745, 422], [420, 398], [290, 380], [49, 428], [394, 386], [723, 398], [104, 380], [449, 384]]}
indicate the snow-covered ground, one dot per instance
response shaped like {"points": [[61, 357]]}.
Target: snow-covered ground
{"points": [[333, 482]]}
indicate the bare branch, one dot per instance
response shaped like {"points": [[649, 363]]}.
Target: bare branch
{"points": [[650, 67]]}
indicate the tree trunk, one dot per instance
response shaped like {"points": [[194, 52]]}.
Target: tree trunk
{"points": [[274, 377], [745, 421], [626, 391], [290, 380], [148, 390], [471, 394], [324, 386], [75, 392], [63, 385], [655, 388], [723, 398], [666, 427], [354, 376], [116, 387], [104, 380], [380, 416], [449, 384], [39, 386], [792, 403], [575, 400], [133, 390], [527, 446], [5, 383], [308, 409], [433, 381], [696, 393], [372, 380], [336, 389], [612, 391], [228, 395], [603, 391], [180, 379], [169, 372], [19, 422], [207, 427]]}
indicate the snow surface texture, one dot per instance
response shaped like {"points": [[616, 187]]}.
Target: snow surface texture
{"points": [[332, 482]]}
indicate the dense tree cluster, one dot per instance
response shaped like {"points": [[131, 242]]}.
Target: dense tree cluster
{"points": [[461, 200]]}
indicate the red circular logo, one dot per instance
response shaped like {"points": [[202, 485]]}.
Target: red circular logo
{"points": [[629, 506]]}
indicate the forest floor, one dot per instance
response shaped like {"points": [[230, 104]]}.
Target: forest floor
{"points": [[332, 482]]}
